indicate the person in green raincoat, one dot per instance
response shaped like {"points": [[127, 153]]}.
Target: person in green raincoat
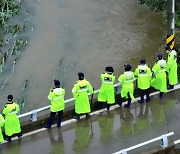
{"points": [[171, 67], [56, 96], [159, 75], [1, 125], [12, 124], [106, 93], [126, 80], [143, 73], [80, 93]]}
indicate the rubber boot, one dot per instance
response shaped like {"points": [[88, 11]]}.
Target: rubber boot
{"points": [[128, 104], [98, 105], [141, 96], [87, 115], [108, 107], [120, 102], [161, 95]]}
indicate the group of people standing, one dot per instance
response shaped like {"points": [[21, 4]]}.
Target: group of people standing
{"points": [[146, 78]]}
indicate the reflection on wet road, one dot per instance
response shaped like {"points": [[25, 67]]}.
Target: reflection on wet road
{"points": [[107, 132]]}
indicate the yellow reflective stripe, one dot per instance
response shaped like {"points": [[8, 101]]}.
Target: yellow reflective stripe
{"points": [[162, 70], [56, 98], [169, 39], [144, 75], [171, 63], [83, 90], [12, 113], [105, 82], [127, 81]]}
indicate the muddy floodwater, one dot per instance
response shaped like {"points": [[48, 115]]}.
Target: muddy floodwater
{"points": [[68, 36]]}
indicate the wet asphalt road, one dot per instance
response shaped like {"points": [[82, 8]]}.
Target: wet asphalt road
{"points": [[107, 132]]}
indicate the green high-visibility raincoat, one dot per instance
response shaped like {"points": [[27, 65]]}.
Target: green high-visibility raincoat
{"points": [[106, 92], [80, 93], [159, 77], [1, 125], [56, 96], [12, 124], [126, 80], [171, 68], [143, 73]]}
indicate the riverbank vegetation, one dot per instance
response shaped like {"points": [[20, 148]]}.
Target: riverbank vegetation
{"points": [[161, 5], [11, 42]]}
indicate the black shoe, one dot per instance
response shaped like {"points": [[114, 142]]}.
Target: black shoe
{"points": [[170, 87], [127, 106], [77, 117], [140, 101], [7, 139], [19, 135], [48, 127], [161, 95], [87, 116], [119, 103], [58, 126]]}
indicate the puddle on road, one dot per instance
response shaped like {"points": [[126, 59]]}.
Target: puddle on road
{"points": [[72, 36]]}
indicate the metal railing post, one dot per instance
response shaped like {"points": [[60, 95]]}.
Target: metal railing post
{"points": [[164, 141], [34, 115]]}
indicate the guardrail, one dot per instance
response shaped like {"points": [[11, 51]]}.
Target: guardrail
{"points": [[33, 113], [163, 138]]}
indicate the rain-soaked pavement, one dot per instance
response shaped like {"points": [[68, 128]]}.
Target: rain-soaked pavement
{"points": [[68, 36], [107, 132]]}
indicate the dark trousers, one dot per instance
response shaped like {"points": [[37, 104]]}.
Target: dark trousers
{"points": [[99, 105], [51, 118], [142, 92], [129, 101]]}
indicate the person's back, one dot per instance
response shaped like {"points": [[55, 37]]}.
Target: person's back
{"points": [[80, 92], [143, 74], [106, 92], [126, 80], [12, 124], [56, 96], [171, 67], [159, 75]]}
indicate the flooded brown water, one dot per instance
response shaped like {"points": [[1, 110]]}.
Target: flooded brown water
{"points": [[69, 36]]}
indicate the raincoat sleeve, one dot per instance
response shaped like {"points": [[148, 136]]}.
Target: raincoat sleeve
{"points": [[51, 95], [6, 110], [1, 121], [155, 69], [89, 87], [74, 90], [149, 73], [136, 72], [121, 79]]}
